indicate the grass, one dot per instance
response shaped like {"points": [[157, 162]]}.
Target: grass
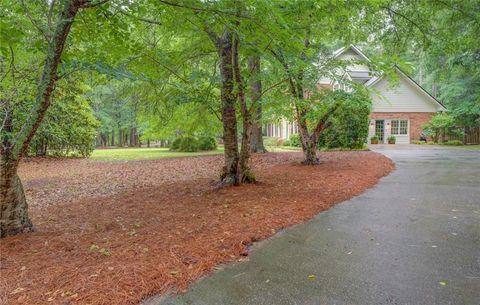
{"points": [[127, 154], [282, 148]]}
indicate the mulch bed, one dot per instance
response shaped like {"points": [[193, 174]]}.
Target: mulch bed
{"points": [[160, 225]]}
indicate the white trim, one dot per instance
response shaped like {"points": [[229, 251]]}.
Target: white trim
{"points": [[353, 48]]}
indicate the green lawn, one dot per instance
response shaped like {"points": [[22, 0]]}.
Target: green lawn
{"points": [[122, 154], [282, 148]]}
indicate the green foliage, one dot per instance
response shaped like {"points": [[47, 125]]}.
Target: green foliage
{"points": [[175, 145], [295, 140], [453, 143], [191, 144], [69, 127], [349, 123], [418, 142], [391, 139], [207, 143], [440, 123], [272, 141], [187, 144]]}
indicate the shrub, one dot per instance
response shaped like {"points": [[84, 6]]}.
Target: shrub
{"points": [[418, 142], [287, 143], [272, 141], [188, 143], [175, 145], [453, 142], [349, 123], [438, 125], [295, 140], [391, 139], [207, 143], [185, 143]]}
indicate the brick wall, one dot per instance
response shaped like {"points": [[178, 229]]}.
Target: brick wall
{"points": [[417, 120]]}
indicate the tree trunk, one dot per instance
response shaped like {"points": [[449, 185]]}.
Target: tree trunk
{"points": [[256, 139], [246, 174], [310, 153], [13, 206], [14, 209], [309, 145], [49, 76], [113, 138], [120, 138], [224, 48]]}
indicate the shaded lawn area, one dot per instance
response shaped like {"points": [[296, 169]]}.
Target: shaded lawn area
{"points": [[160, 225], [121, 154]]}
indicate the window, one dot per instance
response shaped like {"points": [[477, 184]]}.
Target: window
{"points": [[399, 127]]}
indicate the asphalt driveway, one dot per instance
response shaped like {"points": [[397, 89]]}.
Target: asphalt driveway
{"points": [[412, 239]]}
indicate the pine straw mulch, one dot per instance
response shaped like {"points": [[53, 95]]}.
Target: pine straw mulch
{"points": [[120, 248]]}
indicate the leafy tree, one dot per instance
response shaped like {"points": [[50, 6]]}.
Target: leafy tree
{"points": [[439, 125], [20, 30], [69, 126], [349, 124]]}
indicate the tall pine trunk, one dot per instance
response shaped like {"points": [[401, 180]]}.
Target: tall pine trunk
{"points": [[256, 139]]}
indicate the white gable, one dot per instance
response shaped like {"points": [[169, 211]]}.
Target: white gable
{"points": [[406, 96], [350, 54]]}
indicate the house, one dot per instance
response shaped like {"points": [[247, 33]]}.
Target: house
{"points": [[400, 110]]}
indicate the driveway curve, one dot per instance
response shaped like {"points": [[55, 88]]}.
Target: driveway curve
{"points": [[412, 239]]}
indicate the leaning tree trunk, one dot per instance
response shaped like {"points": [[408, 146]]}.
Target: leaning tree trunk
{"points": [[13, 206], [256, 135], [224, 47], [14, 209]]}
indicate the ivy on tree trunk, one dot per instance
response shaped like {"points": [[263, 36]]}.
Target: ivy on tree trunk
{"points": [[13, 206], [224, 46]]}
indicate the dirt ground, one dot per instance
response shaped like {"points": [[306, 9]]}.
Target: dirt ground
{"points": [[116, 232]]}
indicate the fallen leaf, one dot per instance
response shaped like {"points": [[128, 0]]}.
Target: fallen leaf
{"points": [[17, 290]]}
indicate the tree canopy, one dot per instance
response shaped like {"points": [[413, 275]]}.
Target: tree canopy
{"points": [[126, 71]]}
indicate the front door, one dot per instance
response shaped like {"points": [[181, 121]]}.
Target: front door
{"points": [[380, 130]]}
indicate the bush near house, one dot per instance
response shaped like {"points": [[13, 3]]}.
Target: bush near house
{"points": [[453, 143], [349, 123], [439, 126], [419, 142]]}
